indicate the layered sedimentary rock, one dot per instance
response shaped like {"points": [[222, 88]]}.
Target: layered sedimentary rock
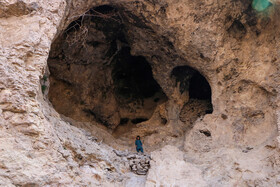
{"points": [[230, 139]]}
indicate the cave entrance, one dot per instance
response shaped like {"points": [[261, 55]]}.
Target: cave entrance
{"points": [[197, 94], [95, 83], [94, 79], [136, 91], [191, 81]]}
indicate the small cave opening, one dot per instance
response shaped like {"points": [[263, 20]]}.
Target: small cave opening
{"points": [[191, 81], [199, 87], [94, 79], [197, 91]]}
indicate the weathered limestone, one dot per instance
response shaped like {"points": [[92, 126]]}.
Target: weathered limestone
{"points": [[218, 167], [234, 47], [168, 168]]}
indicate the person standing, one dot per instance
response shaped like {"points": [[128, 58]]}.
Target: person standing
{"points": [[138, 144]]}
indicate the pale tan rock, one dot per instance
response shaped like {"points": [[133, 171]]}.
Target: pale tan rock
{"points": [[168, 168], [235, 48]]}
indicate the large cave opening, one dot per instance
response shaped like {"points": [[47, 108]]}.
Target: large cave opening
{"points": [[96, 81]]}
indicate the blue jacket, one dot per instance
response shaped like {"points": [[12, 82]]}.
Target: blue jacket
{"points": [[138, 143]]}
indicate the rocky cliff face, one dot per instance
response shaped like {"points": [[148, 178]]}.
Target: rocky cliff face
{"points": [[80, 79]]}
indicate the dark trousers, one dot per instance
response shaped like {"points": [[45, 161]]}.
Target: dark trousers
{"points": [[139, 149]]}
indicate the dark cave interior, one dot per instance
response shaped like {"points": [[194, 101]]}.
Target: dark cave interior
{"points": [[94, 78]]}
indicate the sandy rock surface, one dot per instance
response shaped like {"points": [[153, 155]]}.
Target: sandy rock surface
{"points": [[235, 47], [168, 168]]}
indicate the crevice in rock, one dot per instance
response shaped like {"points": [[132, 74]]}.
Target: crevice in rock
{"points": [[237, 30], [205, 132]]}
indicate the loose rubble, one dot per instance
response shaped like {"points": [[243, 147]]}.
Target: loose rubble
{"points": [[139, 163]]}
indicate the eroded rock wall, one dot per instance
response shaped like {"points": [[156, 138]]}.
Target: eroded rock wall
{"points": [[31, 149], [232, 45], [93, 76]]}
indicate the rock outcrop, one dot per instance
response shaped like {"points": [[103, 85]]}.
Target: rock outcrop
{"points": [[169, 168], [244, 166]]}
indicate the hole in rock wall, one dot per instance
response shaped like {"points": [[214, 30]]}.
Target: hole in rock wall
{"points": [[198, 101], [193, 82], [94, 78]]}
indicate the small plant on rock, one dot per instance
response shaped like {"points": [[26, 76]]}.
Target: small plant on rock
{"points": [[43, 87]]}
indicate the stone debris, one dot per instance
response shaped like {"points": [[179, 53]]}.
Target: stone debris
{"points": [[139, 163]]}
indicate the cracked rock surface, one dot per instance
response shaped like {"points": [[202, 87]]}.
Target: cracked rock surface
{"points": [[232, 45]]}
